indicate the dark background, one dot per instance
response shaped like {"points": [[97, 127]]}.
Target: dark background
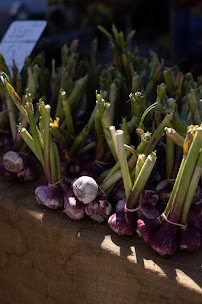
{"points": [[172, 28]]}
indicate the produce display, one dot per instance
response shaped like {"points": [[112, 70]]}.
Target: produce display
{"points": [[120, 143]]}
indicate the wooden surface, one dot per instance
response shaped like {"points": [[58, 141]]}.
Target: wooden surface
{"points": [[47, 258]]}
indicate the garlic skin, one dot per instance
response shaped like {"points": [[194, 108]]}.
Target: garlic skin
{"points": [[99, 209], [49, 196], [13, 162], [74, 208], [86, 189], [29, 171]]}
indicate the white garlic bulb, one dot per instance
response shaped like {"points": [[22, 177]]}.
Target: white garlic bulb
{"points": [[86, 189]]}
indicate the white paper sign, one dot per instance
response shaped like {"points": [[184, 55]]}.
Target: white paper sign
{"points": [[20, 40]]}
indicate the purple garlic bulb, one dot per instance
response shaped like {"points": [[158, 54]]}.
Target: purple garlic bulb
{"points": [[5, 174], [29, 171], [164, 189], [190, 239], [195, 219], [123, 222], [146, 228], [99, 209], [120, 205], [49, 196], [165, 241], [74, 208], [147, 213], [85, 188], [13, 162], [149, 198]]}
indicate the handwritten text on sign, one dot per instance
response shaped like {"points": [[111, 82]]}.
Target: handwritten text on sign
{"points": [[20, 40]]}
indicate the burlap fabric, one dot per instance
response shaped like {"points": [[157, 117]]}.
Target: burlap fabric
{"points": [[47, 258]]}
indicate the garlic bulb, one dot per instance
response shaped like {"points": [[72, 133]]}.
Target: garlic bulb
{"points": [[74, 208], [29, 171], [49, 196], [123, 222], [13, 162], [86, 189], [99, 209]]}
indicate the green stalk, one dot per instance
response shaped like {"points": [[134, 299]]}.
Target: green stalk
{"points": [[140, 162], [191, 191], [123, 162], [81, 138], [47, 144], [145, 140], [134, 199], [100, 104], [110, 181], [57, 162], [17, 145], [28, 139], [115, 168], [99, 137], [179, 80], [106, 123], [158, 133], [63, 86], [125, 129], [53, 167], [185, 177], [34, 130], [139, 103], [179, 125], [151, 107], [79, 85], [67, 112], [186, 147], [170, 82], [108, 184], [194, 107], [12, 115], [177, 138], [112, 100], [184, 111], [149, 88], [15, 97]]}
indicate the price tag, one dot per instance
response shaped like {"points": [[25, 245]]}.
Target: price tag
{"points": [[20, 40]]}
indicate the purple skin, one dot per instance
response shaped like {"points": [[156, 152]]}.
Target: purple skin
{"points": [[149, 198], [190, 239], [147, 227], [99, 209], [13, 162], [74, 208], [29, 171], [165, 240], [123, 222], [146, 212], [120, 205], [164, 189], [195, 219], [5, 174], [49, 196]]}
